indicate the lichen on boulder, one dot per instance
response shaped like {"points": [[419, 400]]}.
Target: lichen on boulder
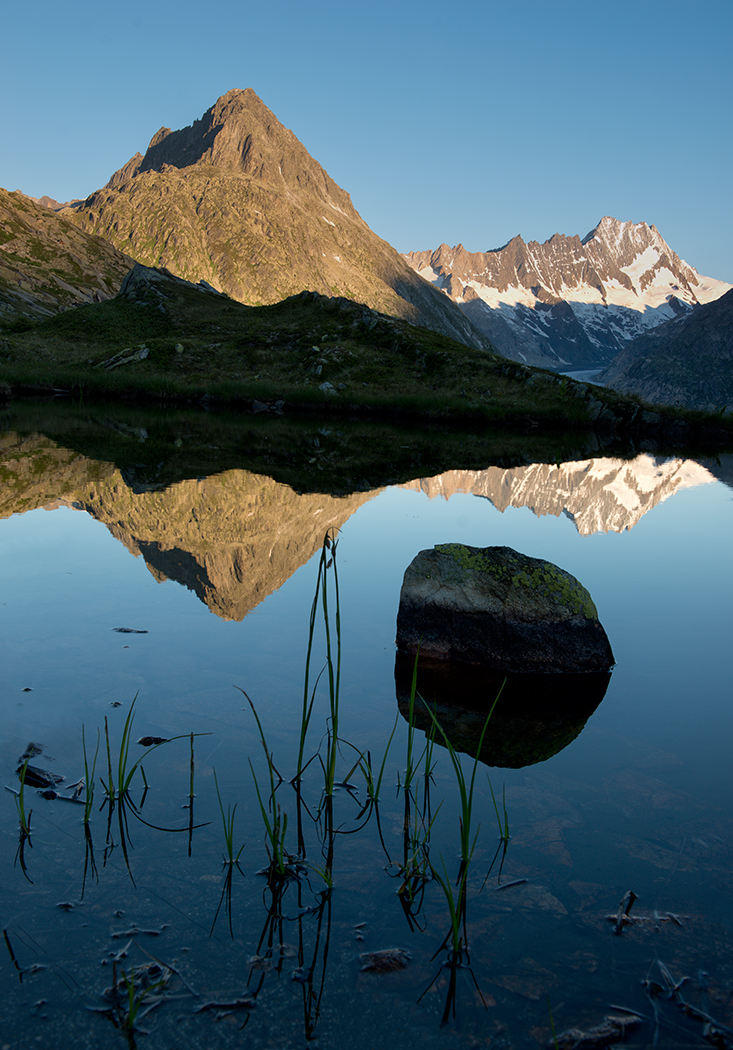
{"points": [[501, 609]]}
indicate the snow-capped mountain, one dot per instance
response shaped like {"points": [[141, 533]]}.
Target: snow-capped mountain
{"points": [[570, 303]]}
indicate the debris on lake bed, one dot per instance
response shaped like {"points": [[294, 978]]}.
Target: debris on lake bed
{"points": [[612, 1028], [134, 930], [657, 918], [32, 750], [149, 981], [622, 915], [22, 970], [508, 885], [76, 789], [244, 1002], [713, 1030], [622, 918], [152, 741], [387, 960], [118, 956], [34, 776], [128, 630]]}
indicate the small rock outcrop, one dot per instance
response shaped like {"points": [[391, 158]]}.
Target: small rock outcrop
{"points": [[501, 609]]}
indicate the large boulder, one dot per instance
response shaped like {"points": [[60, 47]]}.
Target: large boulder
{"points": [[501, 609]]}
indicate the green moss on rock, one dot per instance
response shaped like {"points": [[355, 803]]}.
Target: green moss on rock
{"points": [[528, 573]]}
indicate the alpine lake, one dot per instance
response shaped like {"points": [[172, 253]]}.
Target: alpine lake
{"points": [[310, 857]]}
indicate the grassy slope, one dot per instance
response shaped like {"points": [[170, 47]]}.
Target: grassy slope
{"points": [[47, 264], [205, 346]]}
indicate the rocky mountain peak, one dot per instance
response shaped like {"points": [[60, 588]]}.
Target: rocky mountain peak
{"points": [[240, 135], [237, 201], [158, 138], [625, 243], [516, 243]]}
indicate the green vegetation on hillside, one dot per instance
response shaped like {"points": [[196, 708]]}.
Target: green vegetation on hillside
{"points": [[48, 264], [166, 340]]}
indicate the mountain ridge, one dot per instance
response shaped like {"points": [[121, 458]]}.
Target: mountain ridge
{"points": [[47, 264], [569, 302]]}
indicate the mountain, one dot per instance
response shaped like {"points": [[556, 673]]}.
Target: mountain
{"points": [[569, 303], [688, 362], [47, 264], [237, 201]]}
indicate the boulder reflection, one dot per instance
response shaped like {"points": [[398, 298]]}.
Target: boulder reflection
{"points": [[537, 715]]}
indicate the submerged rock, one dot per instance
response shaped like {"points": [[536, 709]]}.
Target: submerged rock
{"points": [[613, 1028], [501, 609], [34, 776], [386, 960]]}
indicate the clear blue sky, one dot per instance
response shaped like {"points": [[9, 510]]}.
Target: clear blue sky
{"points": [[446, 123]]}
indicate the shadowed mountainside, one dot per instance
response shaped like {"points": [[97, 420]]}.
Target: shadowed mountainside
{"points": [[687, 362]]}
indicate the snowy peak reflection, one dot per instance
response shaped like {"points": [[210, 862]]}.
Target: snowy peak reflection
{"points": [[599, 495]]}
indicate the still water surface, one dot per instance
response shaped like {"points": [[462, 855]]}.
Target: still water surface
{"points": [[640, 800]]}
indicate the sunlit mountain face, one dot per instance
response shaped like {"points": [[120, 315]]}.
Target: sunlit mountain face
{"points": [[570, 303]]}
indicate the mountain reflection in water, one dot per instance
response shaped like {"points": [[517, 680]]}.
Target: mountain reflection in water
{"points": [[599, 495], [235, 537]]}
